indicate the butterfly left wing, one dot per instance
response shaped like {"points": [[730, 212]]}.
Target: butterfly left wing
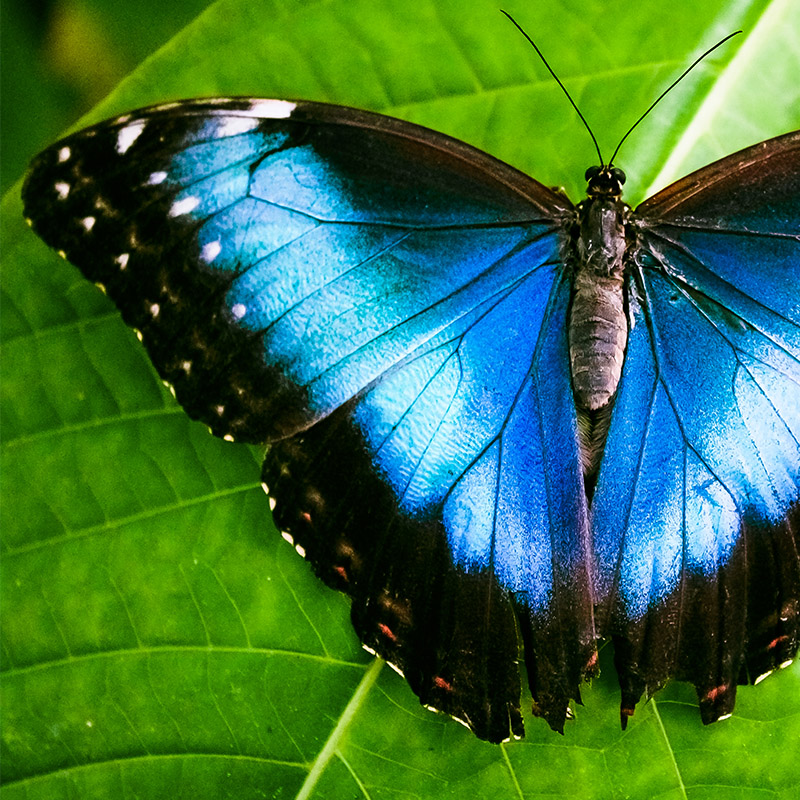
{"points": [[445, 498], [697, 511], [187, 212], [388, 306]]}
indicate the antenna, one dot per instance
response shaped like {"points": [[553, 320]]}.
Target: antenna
{"points": [[652, 105], [563, 88], [671, 86]]}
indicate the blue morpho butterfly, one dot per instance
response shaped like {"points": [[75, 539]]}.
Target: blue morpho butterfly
{"points": [[489, 410]]}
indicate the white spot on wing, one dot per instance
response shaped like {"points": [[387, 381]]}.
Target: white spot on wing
{"points": [[287, 536], [122, 260], [272, 503], [155, 310], [184, 206], [228, 437], [156, 178], [301, 551], [396, 669], [211, 251], [63, 154], [62, 189], [235, 125], [128, 135], [88, 223], [272, 109], [238, 310]]}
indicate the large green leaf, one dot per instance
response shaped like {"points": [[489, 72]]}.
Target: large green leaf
{"points": [[160, 639]]}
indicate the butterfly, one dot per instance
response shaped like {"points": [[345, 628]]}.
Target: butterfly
{"points": [[490, 412]]}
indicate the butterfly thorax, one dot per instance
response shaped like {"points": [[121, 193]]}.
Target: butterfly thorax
{"points": [[598, 327]]}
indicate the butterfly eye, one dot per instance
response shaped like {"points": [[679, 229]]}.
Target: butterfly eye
{"points": [[604, 180], [592, 172]]}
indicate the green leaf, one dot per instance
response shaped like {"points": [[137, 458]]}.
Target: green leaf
{"points": [[160, 639], [56, 65]]}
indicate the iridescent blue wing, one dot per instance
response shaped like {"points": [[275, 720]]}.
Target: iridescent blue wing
{"points": [[387, 306], [697, 511]]}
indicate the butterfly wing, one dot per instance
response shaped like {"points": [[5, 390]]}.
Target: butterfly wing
{"points": [[697, 512], [387, 306]]}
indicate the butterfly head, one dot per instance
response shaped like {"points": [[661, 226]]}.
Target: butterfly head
{"points": [[604, 181]]}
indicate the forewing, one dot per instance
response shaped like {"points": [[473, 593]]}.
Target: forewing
{"points": [[697, 511], [388, 305]]}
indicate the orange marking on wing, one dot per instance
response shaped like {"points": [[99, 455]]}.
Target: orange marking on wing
{"points": [[441, 683], [387, 632]]}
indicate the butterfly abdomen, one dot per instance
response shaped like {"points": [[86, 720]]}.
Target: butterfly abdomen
{"points": [[598, 326]]}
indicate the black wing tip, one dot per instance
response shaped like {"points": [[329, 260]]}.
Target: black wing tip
{"points": [[735, 628], [625, 713], [717, 702], [410, 605]]}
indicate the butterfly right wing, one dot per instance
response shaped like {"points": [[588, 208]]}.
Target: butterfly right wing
{"points": [[697, 511]]}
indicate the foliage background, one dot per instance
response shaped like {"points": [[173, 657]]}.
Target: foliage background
{"points": [[159, 637]]}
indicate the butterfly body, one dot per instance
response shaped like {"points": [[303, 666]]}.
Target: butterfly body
{"points": [[598, 325], [420, 331]]}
